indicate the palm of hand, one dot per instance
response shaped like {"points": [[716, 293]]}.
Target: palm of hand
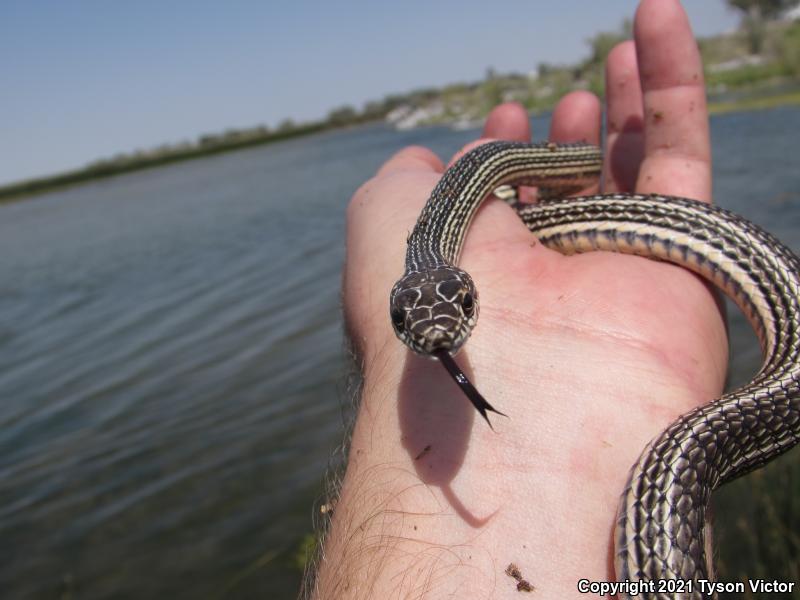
{"points": [[529, 293]]}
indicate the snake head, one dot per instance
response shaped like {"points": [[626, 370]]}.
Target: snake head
{"points": [[434, 310]]}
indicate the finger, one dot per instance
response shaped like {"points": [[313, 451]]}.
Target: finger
{"points": [[508, 121], [677, 151], [624, 117], [576, 118], [412, 158]]}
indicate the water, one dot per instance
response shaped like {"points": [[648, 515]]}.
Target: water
{"points": [[171, 365]]}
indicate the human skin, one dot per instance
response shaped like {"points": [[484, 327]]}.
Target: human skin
{"points": [[590, 357]]}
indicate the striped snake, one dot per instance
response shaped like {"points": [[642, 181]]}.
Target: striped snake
{"points": [[434, 306]]}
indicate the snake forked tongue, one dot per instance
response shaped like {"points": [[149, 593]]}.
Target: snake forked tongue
{"points": [[478, 401]]}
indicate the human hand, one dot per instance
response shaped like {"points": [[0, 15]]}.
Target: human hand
{"points": [[590, 357]]}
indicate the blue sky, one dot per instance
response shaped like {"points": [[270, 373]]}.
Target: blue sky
{"points": [[84, 80]]}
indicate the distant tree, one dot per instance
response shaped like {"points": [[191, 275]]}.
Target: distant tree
{"points": [[756, 12], [374, 109], [764, 9], [627, 28], [286, 125], [393, 101], [492, 90], [602, 43], [789, 49], [208, 139], [231, 135], [544, 69], [421, 96], [344, 115]]}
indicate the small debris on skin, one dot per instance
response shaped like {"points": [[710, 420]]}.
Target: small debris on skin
{"points": [[327, 508], [425, 450], [523, 585], [512, 570]]}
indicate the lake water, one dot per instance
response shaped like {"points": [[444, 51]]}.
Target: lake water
{"points": [[171, 368]]}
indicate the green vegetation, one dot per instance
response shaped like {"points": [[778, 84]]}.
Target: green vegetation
{"points": [[737, 78], [756, 14], [755, 526], [757, 103], [123, 163], [305, 551]]}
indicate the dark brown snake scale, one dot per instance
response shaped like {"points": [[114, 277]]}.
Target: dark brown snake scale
{"points": [[434, 306]]}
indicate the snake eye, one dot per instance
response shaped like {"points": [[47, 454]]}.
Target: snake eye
{"points": [[398, 318], [468, 304]]}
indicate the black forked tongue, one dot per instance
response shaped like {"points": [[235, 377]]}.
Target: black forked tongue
{"points": [[478, 401]]}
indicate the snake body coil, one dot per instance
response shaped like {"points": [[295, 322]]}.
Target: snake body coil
{"points": [[434, 306]]}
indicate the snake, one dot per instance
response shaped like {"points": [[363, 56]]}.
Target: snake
{"points": [[433, 307]]}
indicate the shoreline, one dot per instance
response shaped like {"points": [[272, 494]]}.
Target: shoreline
{"points": [[22, 190]]}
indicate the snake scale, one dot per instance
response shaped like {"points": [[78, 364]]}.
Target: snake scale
{"points": [[660, 523]]}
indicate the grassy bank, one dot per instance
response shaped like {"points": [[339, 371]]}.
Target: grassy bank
{"points": [[757, 103], [146, 160]]}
